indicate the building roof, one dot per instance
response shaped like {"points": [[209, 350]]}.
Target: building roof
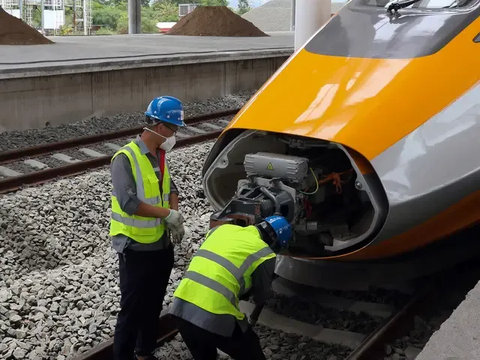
{"points": [[276, 15]]}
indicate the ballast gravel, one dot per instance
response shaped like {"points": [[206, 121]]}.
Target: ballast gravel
{"points": [[59, 276], [276, 345], [51, 160], [16, 139], [59, 282], [449, 293], [313, 313]]}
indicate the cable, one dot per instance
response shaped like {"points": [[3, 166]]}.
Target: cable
{"points": [[335, 177], [316, 182]]}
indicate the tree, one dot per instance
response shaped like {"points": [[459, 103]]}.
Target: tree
{"points": [[166, 10], [243, 7], [214, 2], [107, 16]]}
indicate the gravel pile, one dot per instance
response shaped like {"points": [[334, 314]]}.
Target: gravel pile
{"points": [[19, 139], [59, 285], [276, 345], [313, 313]]}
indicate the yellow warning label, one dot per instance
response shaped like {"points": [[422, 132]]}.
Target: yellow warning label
{"points": [[270, 166]]}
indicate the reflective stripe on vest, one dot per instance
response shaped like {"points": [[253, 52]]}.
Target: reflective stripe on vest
{"points": [[142, 229], [221, 269]]}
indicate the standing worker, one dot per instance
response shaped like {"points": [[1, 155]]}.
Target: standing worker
{"points": [[232, 262], [144, 212]]}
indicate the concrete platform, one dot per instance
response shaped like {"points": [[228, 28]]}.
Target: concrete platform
{"points": [[80, 77], [72, 54], [459, 337]]}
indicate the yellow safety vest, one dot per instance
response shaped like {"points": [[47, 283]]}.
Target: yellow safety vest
{"points": [[221, 270], [145, 230]]}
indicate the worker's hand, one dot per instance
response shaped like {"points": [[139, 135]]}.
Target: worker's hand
{"points": [[174, 219], [177, 234]]}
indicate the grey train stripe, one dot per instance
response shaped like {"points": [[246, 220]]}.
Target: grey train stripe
{"points": [[416, 188], [366, 32]]}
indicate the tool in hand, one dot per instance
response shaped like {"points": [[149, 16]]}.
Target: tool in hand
{"points": [[252, 320]]}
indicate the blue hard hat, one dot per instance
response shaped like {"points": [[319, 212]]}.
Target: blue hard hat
{"points": [[281, 227], [166, 108]]}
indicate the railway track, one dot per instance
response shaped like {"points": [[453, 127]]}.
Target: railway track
{"points": [[323, 316], [39, 164], [362, 345]]}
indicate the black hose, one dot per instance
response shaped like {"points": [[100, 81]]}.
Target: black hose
{"points": [[272, 197]]}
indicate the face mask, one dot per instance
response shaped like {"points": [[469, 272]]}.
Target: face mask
{"points": [[169, 142]]}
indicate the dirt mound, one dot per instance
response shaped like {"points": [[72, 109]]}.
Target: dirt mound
{"points": [[214, 21], [14, 31]]}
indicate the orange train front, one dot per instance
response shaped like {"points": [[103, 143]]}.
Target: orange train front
{"points": [[367, 139]]}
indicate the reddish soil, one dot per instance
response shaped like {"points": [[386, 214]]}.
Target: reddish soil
{"points": [[14, 31], [214, 21]]}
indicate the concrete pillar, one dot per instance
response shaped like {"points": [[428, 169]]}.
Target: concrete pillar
{"points": [[85, 22], [310, 15], [134, 17], [42, 16], [292, 19]]}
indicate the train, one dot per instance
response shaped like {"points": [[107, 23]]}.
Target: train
{"points": [[367, 140]]}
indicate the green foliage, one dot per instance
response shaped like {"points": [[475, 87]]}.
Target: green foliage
{"points": [[213, 2], [122, 24], [108, 16], [243, 7], [112, 15], [166, 10], [105, 31]]}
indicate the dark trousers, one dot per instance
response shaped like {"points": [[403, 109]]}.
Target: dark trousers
{"points": [[144, 278], [203, 344]]}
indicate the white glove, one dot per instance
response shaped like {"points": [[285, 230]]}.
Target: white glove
{"points": [[174, 219], [177, 234]]}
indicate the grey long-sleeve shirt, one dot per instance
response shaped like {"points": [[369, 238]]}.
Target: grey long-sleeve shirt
{"points": [[126, 192]]}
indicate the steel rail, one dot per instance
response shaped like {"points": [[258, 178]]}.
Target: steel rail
{"points": [[373, 346], [166, 331], [42, 176], [12, 155]]}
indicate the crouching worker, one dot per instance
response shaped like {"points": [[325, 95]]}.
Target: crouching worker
{"points": [[232, 261]]}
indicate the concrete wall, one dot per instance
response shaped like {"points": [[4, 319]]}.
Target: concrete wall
{"points": [[31, 102]]}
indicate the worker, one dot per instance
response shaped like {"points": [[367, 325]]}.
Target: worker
{"points": [[232, 261], [144, 217]]}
